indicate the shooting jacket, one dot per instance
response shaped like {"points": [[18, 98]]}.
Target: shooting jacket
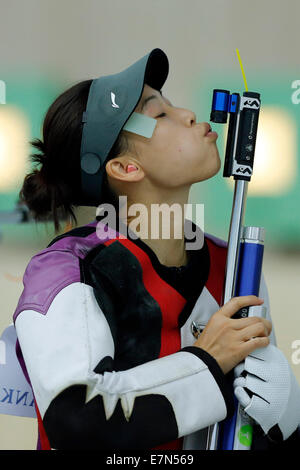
{"points": [[105, 340]]}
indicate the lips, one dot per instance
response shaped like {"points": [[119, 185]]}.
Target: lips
{"points": [[207, 128]]}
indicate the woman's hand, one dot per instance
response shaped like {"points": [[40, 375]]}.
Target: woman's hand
{"points": [[230, 340]]}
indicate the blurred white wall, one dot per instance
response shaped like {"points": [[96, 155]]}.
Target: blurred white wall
{"points": [[79, 40]]}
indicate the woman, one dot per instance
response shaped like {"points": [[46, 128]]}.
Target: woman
{"points": [[104, 321]]}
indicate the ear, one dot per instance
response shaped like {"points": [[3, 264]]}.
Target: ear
{"points": [[124, 169]]}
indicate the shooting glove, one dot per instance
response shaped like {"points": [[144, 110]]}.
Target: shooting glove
{"points": [[267, 389]]}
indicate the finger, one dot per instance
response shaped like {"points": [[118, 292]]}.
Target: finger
{"points": [[234, 304], [252, 331], [240, 323], [267, 324], [254, 343]]}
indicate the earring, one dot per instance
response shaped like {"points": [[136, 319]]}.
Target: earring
{"points": [[130, 168]]}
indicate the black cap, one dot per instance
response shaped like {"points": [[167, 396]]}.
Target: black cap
{"points": [[112, 100]]}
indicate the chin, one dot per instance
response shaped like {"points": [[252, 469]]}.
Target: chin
{"points": [[211, 171], [215, 163], [218, 164]]}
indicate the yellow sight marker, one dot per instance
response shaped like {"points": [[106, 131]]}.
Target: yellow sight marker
{"points": [[242, 69]]}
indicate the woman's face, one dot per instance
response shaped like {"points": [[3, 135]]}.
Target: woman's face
{"points": [[178, 153]]}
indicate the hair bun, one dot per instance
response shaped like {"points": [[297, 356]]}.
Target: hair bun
{"points": [[35, 194]]}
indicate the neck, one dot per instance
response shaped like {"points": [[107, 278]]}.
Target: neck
{"points": [[160, 225], [169, 252]]}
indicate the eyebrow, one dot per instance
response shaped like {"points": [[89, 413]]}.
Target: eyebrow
{"points": [[146, 100]]}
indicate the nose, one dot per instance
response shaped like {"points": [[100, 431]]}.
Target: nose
{"points": [[186, 116], [193, 118], [189, 117]]}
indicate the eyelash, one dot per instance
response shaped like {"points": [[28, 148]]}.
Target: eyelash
{"points": [[161, 115]]}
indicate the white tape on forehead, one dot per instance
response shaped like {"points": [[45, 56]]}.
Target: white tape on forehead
{"points": [[140, 124]]}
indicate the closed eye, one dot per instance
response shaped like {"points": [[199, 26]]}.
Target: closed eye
{"points": [[161, 115]]}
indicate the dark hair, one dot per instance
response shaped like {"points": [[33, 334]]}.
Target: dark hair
{"points": [[50, 192]]}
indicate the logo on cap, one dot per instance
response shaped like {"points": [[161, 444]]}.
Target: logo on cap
{"points": [[113, 97]]}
